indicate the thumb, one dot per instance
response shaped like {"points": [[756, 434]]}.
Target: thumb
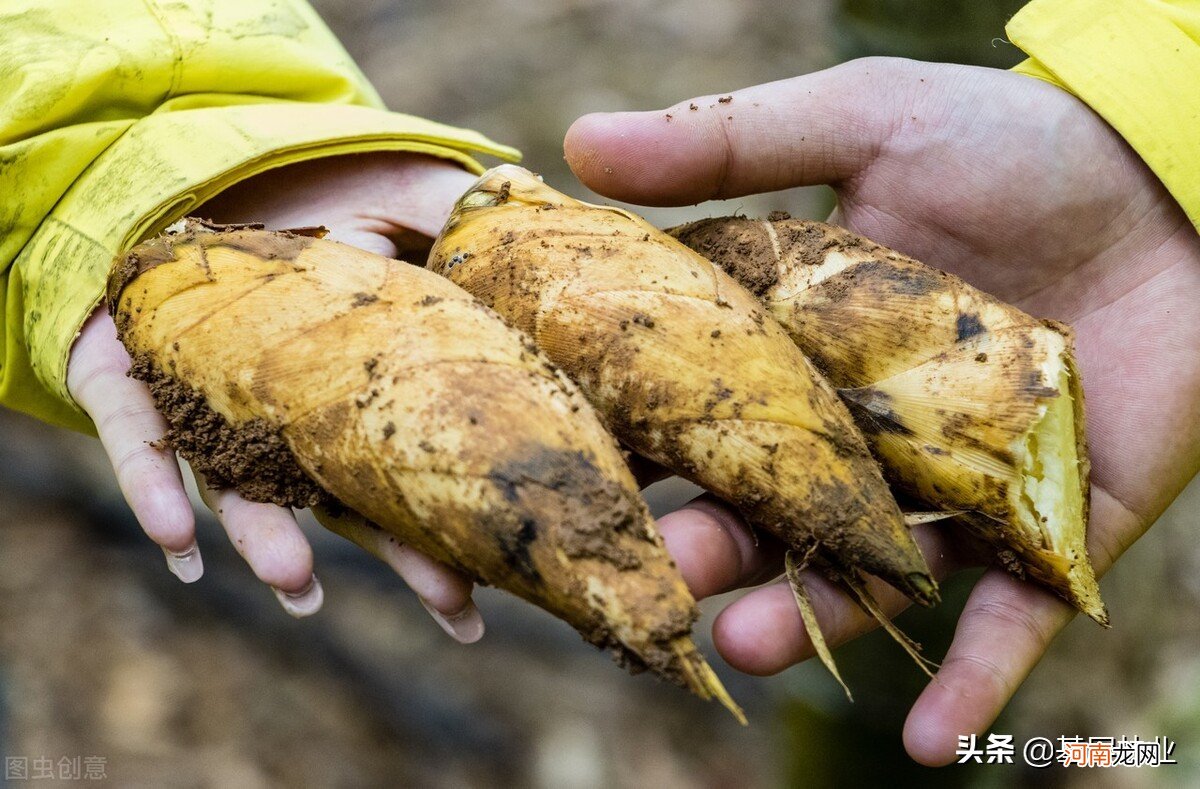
{"points": [[819, 128]]}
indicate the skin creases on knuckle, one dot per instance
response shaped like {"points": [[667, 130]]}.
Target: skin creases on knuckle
{"points": [[1009, 614], [86, 371], [725, 168], [976, 663], [132, 464], [126, 415]]}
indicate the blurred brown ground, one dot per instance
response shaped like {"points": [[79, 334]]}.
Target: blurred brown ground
{"points": [[103, 653]]}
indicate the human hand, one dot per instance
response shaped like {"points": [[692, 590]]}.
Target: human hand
{"points": [[1019, 188], [380, 202]]}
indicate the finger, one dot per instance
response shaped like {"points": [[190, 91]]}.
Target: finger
{"points": [[366, 200], [1005, 628], [269, 539], [407, 202], [129, 425], [422, 192], [763, 634], [819, 128], [715, 550], [444, 593]]}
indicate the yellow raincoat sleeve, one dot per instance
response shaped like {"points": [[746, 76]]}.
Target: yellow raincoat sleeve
{"points": [[1137, 64], [117, 117]]}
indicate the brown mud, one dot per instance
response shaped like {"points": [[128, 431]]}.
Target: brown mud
{"points": [[251, 458]]}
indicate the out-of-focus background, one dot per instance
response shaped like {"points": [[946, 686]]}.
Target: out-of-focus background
{"points": [[103, 653]]}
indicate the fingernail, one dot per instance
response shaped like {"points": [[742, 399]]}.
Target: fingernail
{"points": [[185, 565], [304, 603], [465, 627]]}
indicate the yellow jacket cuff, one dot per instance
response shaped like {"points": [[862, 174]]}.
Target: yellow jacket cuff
{"points": [[118, 117], [1137, 64], [160, 169]]}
